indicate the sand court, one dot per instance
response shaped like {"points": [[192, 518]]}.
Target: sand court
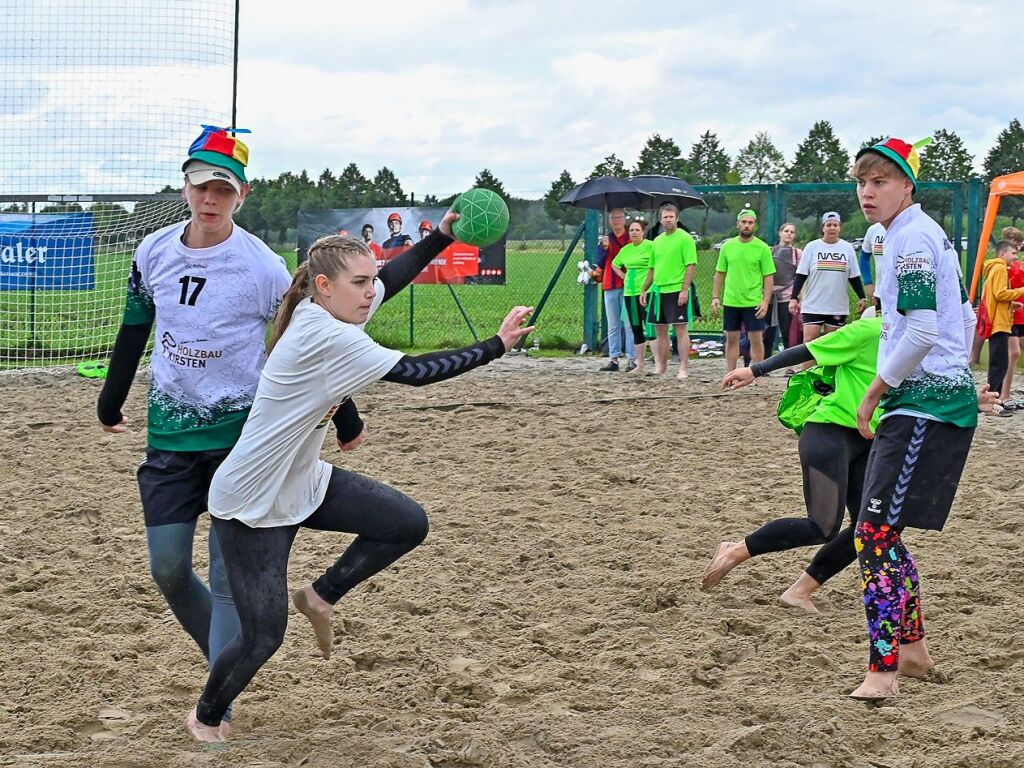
{"points": [[553, 617]]}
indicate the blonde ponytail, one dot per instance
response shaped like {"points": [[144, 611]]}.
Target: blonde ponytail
{"points": [[297, 291]]}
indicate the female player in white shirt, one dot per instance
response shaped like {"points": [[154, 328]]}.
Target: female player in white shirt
{"points": [[827, 270], [274, 481]]}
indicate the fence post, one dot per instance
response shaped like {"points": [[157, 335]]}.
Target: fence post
{"points": [[974, 214], [771, 216], [591, 294], [958, 224], [780, 204]]}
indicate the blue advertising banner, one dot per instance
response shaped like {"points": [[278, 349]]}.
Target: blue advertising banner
{"points": [[47, 252]]}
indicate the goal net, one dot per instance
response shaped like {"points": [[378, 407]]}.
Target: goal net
{"points": [[100, 101]]}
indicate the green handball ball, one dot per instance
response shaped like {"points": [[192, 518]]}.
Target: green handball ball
{"points": [[484, 217]]}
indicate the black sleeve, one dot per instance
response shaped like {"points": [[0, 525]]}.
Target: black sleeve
{"points": [[124, 362], [858, 287], [798, 283], [347, 422], [437, 366], [787, 358], [402, 269]]}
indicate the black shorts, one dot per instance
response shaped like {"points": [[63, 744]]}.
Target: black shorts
{"points": [[637, 316], [913, 472], [737, 318], [838, 321], [174, 484], [1017, 329], [666, 311]]}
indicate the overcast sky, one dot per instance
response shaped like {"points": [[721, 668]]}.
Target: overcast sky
{"points": [[439, 89]]}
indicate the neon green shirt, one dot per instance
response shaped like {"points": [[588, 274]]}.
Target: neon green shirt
{"points": [[671, 256], [853, 350], [636, 261], [745, 265]]}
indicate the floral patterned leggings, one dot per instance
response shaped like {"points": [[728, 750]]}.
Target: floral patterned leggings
{"points": [[892, 594]]}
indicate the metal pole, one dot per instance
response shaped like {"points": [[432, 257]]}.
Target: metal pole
{"points": [[554, 278], [974, 214], [32, 299], [234, 77], [592, 327], [958, 222], [465, 317]]}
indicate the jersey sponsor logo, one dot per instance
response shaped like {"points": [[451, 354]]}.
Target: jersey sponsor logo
{"points": [[917, 261], [185, 356]]}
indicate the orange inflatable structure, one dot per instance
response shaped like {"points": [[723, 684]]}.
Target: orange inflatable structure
{"points": [[1012, 184]]}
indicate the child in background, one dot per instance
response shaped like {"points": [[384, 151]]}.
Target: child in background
{"points": [[999, 298], [1015, 274]]}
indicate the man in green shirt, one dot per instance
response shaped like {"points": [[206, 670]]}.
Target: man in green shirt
{"points": [[745, 268], [673, 265]]}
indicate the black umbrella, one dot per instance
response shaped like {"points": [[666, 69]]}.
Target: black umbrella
{"points": [[605, 192], [660, 189]]}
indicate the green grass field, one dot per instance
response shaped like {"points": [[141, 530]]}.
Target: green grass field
{"points": [[53, 327], [439, 324], [59, 326]]}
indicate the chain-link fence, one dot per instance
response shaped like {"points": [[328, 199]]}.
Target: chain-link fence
{"points": [[438, 316], [541, 269], [542, 254]]}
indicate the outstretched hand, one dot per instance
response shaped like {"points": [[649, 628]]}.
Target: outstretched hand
{"points": [[740, 377], [446, 223], [511, 329]]}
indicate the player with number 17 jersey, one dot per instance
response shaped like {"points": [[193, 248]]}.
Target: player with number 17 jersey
{"points": [[211, 307]]}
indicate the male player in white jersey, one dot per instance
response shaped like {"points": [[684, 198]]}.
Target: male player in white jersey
{"points": [[211, 288]]}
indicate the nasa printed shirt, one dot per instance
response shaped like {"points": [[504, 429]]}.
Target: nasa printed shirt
{"points": [[211, 307], [921, 270], [828, 269]]}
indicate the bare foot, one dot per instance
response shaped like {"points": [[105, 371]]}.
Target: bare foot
{"points": [[728, 555], [877, 686], [319, 612], [915, 660], [682, 374], [792, 599], [799, 594], [213, 734]]}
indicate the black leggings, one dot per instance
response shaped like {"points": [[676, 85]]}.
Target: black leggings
{"points": [[387, 523], [833, 460]]}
